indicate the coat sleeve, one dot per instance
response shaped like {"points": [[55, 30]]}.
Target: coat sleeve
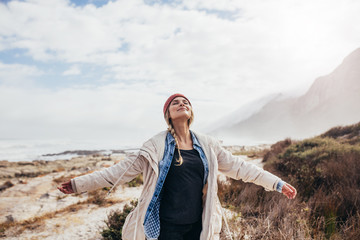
{"points": [[237, 168], [132, 166]]}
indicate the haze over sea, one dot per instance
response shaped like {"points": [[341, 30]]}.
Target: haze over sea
{"points": [[15, 150], [34, 149]]}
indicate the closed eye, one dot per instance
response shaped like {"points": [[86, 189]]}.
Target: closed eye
{"points": [[177, 102]]}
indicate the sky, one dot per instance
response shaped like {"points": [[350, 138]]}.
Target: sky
{"points": [[102, 70]]}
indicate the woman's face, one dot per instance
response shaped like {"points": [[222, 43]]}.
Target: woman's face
{"points": [[179, 108]]}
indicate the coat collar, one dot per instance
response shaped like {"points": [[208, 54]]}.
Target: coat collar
{"points": [[170, 139], [154, 148]]}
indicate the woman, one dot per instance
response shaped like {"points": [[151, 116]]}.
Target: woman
{"points": [[180, 167]]}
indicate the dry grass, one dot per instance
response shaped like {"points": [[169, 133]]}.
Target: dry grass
{"points": [[95, 197], [346, 134], [325, 170], [252, 153]]}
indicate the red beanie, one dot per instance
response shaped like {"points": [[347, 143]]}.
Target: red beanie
{"points": [[168, 101]]}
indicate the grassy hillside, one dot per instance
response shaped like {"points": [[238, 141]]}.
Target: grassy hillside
{"points": [[326, 172]]}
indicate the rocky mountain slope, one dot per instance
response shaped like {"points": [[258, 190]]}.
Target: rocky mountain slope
{"points": [[331, 100]]}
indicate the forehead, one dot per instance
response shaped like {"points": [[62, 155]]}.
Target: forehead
{"points": [[179, 99]]}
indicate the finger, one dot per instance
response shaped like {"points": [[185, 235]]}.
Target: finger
{"points": [[292, 196], [289, 187], [294, 191], [61, 189], [288, 192], [292, 188]]}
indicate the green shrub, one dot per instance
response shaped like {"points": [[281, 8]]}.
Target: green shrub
{"points": [[115, 222], [276, 149], [136, 181]]}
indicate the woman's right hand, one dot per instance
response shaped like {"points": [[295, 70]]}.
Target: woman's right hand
{"points": [[289, 191], [66, 188]]}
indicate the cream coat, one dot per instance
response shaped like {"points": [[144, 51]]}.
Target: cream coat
{"points": [[146, 162]]}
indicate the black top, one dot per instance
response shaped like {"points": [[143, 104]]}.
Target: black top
{"points": [[181, 201]]}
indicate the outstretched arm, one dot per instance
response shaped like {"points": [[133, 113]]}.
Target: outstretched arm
{"points": [[237, 168], [128, 168]]}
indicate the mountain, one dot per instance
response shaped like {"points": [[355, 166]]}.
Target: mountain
{"points": [[330, 101], [241, 113]]}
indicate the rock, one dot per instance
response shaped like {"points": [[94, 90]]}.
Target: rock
{"points": [[28, 174], [10, 218], [26, 163], [6, 185], [45, 195], [21, 181]]}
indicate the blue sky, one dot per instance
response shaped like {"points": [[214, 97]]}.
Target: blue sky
{"points": [[103, 69]]}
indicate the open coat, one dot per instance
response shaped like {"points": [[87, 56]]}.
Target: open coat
{"points": [[146, 162]]}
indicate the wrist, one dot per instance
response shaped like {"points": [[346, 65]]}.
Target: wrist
{"points": [[280, 186]]}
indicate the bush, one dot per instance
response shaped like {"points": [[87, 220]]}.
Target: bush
{"points": [[325, 170], [136, 181], [261, 214], [115, 222], [276, 149], [347, 134]]}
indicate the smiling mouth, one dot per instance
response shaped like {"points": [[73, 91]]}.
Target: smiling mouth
{"points": [[182, 109]]}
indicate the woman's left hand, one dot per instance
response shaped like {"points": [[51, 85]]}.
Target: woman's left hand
{"points": [[66, 188], [289, 191]]}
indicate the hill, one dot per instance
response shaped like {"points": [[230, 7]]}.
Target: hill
{"points": [[330, 101]]}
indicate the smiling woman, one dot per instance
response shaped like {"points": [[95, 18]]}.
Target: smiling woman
{"points": [[180, 168]]}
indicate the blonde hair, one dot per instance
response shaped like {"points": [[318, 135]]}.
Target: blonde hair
{"points": [[173, 133]]}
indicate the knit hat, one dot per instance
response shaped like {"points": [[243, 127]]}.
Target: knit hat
{"points": [[168, 101]]}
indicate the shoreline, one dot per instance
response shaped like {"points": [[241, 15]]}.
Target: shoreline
{"points": [[69, 154], [31, 205]]}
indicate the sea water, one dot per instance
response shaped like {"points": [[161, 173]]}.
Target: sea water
{"points": [[35, 149]]}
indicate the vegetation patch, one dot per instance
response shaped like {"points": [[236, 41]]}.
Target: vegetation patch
{"points": [[115, 222], [95, 197], [137, 181], [325, 171]]}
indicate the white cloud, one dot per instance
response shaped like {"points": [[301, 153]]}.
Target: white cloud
{"points": [[154, 51], [109, 112], [18, 74], [269, 40], [73, 70]]}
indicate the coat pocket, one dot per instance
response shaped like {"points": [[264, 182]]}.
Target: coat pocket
{"points": [[133, 228], [217, 218], [130, 223]]}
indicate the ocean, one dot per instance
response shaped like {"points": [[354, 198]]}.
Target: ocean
{"points": [[15, 150]]}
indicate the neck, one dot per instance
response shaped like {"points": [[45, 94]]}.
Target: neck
{"points": [[182, 131]]}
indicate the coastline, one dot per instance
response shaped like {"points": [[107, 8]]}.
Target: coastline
{"points": [[31, 205]]}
